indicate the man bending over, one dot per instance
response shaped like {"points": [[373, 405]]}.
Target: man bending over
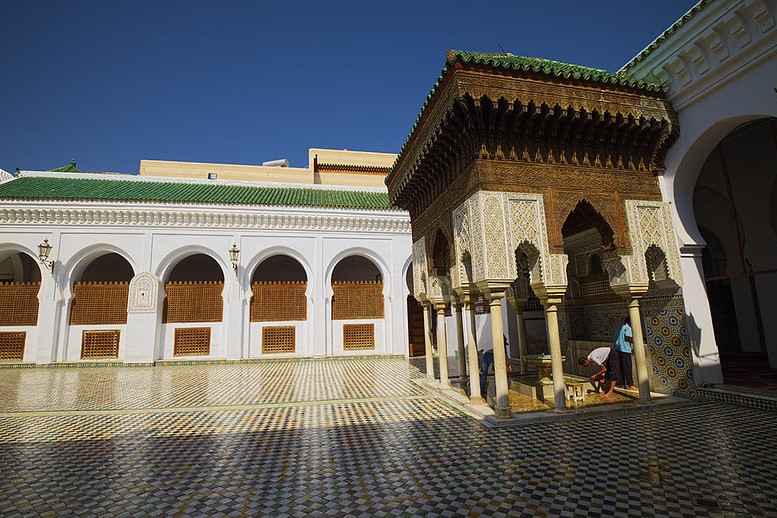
{"points": [[606, 359]]}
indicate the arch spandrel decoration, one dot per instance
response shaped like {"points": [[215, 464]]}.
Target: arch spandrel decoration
{"points": [[651, 228], [498, 262], [420, 273], [144, 293], [528, 233], [462, 246]]}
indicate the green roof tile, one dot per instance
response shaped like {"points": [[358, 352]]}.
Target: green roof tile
{"points": [[48, 188], [69, 168], [548, 67]]}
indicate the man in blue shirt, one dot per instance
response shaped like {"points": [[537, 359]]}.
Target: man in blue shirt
{"points": [[622, 344]]}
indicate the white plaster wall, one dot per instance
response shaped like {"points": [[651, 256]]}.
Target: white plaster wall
{"points": [[157, 249]]}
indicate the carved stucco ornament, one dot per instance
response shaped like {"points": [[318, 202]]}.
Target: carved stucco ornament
{"points": [[143, 293]]}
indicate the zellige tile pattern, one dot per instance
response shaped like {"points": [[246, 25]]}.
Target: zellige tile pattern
{"points": [[395, 451]]}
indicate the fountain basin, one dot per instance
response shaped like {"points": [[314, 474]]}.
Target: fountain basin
{"points": [[542, 363]]}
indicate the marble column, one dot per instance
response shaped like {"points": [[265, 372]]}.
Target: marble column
{"points": [[502, 409], [428, 341], [554, 344], [457, 305], [643, 376], [475, 398], [442, 346]]}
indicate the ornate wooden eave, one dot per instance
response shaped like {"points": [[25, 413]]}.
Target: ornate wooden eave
{"points": [[520, 110]]}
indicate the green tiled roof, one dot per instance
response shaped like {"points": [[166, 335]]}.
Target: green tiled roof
{"points": [[546, 66], [70, 168], [48, 188]]}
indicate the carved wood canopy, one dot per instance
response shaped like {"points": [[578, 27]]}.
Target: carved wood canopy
{"points": [[531, 112]]}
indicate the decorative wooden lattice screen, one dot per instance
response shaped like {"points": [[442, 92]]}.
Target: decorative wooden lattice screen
{"points": [[358, 337], [19, 303], [193, 301], [357, 299], [278, 339], [99, 303], [274, 301], [12, 345], [100, 344], [192, 341]]}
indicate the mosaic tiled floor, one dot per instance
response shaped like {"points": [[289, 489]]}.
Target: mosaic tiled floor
{"points": [[369, 444]]}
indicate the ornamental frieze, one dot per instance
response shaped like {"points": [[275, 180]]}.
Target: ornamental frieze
{"points": [[150, 218]]}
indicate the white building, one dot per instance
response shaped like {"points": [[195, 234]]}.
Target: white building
{"points": [[145, 268]]}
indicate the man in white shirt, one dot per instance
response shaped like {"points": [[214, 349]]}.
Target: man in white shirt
{"points": [[606, 358]]}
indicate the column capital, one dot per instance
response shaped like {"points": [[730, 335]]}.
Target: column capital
{"points": [[550, 295], [630, 291], [467, 294], [494, 288], [440, 304]]}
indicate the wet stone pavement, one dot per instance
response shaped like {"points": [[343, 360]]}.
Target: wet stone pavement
{"points": [[355, 437]]}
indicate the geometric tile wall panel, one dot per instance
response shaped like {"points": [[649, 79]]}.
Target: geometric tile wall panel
{"points": [[358, 337], [668, 344], [664, 330], [100, 344], [278, 339], [192, 341], [12, 345]]}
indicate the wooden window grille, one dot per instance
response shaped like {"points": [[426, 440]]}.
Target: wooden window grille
{"points": [[358, 337], [357, 300], [278, 339], [12, 345], [100, 344], [192, 341], [596, 288], [19, 303], [193, 301], [274, 301], [99, 303]]}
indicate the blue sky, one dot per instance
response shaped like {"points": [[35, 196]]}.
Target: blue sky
{"points": [[110, 83]]}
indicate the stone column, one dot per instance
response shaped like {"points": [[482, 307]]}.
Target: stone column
{"points": [[457, 305], [518, 304], [643, 376], [554, 343], [428, 341], [551, 298], [502, 409], [475, 398], [442, 346]]}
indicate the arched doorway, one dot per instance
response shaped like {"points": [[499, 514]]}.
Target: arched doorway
{"points": [[98, 312], [357, 305], [19, 287], [194, 303], [415, 320], [593, 309], [279, 304], [734, 204]]}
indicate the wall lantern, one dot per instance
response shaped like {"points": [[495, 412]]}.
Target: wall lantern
{"points": [[234, 254], [44, 249]]}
